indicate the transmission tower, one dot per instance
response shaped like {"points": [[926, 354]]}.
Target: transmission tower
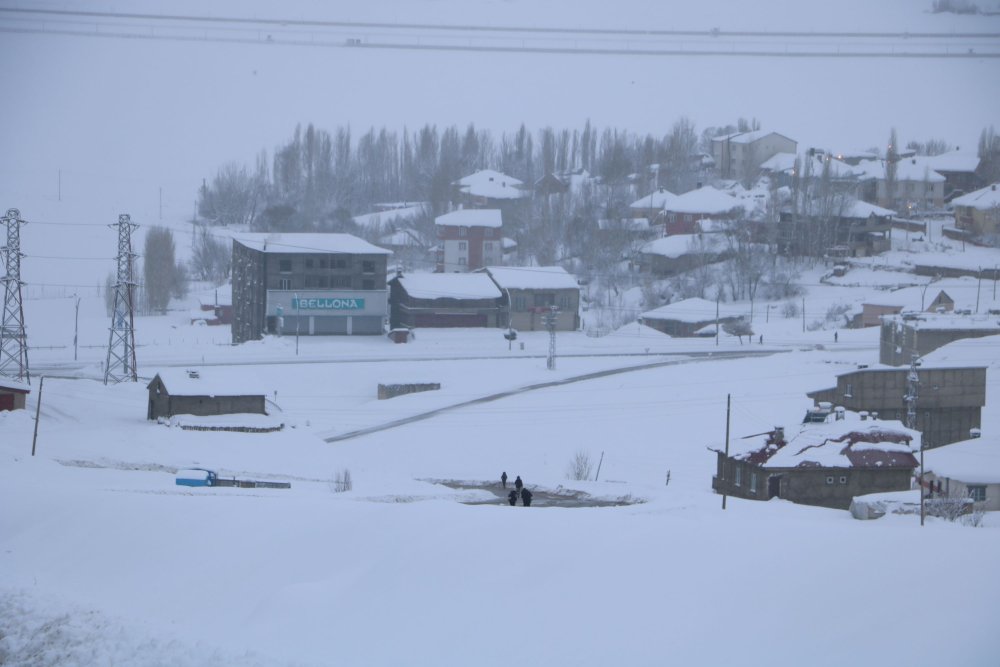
{"points": [[120, 366], [550, 324], [13, 342], [912, 392]]}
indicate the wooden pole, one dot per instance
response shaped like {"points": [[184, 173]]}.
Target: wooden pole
{"points": [[599, 467], [726, 461], [38, 413]]}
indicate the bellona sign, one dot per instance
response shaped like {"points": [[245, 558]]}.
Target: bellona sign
{"points": [[324, 303]]}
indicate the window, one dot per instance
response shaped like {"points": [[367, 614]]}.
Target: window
{"points": [[309, 264], [850, 390], [367, 284], [738, 475], [285, 265], [545, 299], [322, 263], [340, 263], [312, 281], [488, 233], [564, 302], [829, 479], [463, 231], [977, 493], [463, 245], [488, 246], [519, 303], [367, 266], [340, 281], [753, 482], [285, 283]]}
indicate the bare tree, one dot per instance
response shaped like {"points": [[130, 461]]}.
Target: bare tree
{"points": [[160, 268], [580, 466]]}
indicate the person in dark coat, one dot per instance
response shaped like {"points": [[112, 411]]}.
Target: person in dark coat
{"points": [[503, 479], [512, 498], [526, 498], [518, 484]]}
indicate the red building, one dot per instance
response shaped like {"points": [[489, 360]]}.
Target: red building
{"points": [[469, 239]]}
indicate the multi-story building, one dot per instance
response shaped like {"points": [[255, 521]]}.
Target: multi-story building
{"points": [[308, 284], [978, 213], [740, 155], [909, 334], [469, 239]]}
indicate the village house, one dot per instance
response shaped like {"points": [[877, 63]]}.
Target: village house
{"points": [[13, 394], [829, 459], [675, 254], [445, 300], [488, 189], [653, 206], [176, 391], [903, 336], [530, 292], [469, 239], [949, 405], [683, 213], [915, 186], [871, 313], [978, 213], [838, 227], [740, 155], [966, 469], [308, 284], [691, 317], [960, 172]]}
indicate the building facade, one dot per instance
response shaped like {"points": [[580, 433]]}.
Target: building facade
{"points": [[949, 400], [308, 284], [530, 292], [469, 239], [978, 213], [182, 392], [740, 155], [909, 334], [445, 300]]}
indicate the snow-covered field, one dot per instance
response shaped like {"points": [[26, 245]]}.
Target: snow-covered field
{"points": [[103, 560]]}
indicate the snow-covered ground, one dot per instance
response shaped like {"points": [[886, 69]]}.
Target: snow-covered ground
{"points": [[103, 560]]}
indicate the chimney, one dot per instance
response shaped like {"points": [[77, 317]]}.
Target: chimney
{"points": [[779, 434], [839, 413], [864, 415], [874, 415]]}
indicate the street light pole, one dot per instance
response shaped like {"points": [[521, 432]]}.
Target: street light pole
{"points": [[298, 317]]}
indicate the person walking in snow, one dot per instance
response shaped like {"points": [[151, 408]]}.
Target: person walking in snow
{"points": [[512, 498], [503, 479], [526, 498], [518, 484]]}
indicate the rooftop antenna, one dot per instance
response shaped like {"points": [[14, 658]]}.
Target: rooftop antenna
{"points": [[13, 342], [120, 366]]}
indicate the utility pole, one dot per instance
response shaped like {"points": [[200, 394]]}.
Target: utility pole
{"points": [[38, 415], [979, 285], [120, 366], [550, 324], [599, 463], [803, 314], [76, 327], [717, 319], [298, 316], [725, 462], [13, 340]]}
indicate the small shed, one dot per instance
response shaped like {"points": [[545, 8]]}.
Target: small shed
{"points": [[689, 317], [444, 300], [967, 469], [13, 394], [187, 392]]}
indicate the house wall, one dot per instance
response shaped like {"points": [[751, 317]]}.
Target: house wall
{"points": [[530, 306], [949, 403], [409, 312], [468, 248], [871, 314], [980, 222], [162, 404], [954, 488], [12, 400], [908, 193], [899, 340]]}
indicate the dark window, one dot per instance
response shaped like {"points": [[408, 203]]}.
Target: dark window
{"points": [[285, 283], [367, 266], [829, 480], [312, 281], [564, 301], [977, 493], [322, 263], [367, 284], [340, 281], [340, 263], [463, 231], [285, 265], [545, 299], [309, 264], [519, 303], [324, 281]]}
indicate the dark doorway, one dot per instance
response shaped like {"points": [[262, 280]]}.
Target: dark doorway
{"points": [[6, 401], [774, 486]]}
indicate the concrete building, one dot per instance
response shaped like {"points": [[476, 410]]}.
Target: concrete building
{"points": [[176, 391], [949, 399], [740, 155], [909, 334], [13, 394], [966, 469], [689, 317], [310, 284], [531, 291], [445, 300], [824, 463], [469, 239], [675, 254], [917, 187]]}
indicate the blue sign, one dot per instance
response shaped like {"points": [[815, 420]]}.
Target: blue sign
{"points": [[329, 303]]}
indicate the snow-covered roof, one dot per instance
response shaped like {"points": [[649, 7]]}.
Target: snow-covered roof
{"points": [[975, 461], [403, 237], [946, 321], [677, 245], [657, 200], [199, 382], [492, 184], [389, 217], [706, 200], [310, 243], [747, 137], [855, 208], [471, 217], [692, 311], [14, 385], [779, 162], [845, 443], [953, 161], [532, 277], [964, 353], [624, 224], [983, 199], [450, 285], [907, 169]]}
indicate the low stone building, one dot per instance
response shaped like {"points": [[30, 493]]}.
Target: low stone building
{"points": [[445, 300], [949, 399], [13, 394], [690, 316], [176, 391], [824, 463], [675, 254]]}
